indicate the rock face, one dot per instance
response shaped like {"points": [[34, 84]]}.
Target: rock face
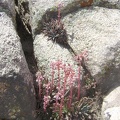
{"points": [[8, 6], [114, 4], [111, 105], [17, 100], [48, 52], [95, 29], [92, 28], [39, 10]]}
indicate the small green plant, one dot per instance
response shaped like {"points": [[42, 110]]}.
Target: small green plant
{"points": [[55, 30], [83, 109]]}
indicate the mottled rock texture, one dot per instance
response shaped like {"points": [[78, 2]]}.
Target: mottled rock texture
{"points": [[97, 30], [111, 105], [17, 100], [112, 4], [8, 6], [92, 25], [93, 28], [39, 9]]}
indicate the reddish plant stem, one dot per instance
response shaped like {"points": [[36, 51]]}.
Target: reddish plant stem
{"points": [[59, 17], [40, 90], [70, 97], [52, 82], [63, 94], [60, 111], [64, 87], [61, 103], [59, 76], [71, 88], [79, 81], [39, 80]]}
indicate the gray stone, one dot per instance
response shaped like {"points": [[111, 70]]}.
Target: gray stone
{"points": [[8, 6], [112, 114], [47, 52], [96, 30], [39, 9], [114, 4], [17, 99], [111, 105]]}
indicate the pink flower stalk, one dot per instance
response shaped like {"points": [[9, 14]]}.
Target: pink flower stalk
{"points": [[67, 70], [59, 10], [79, 72], [47, 86], [61, 108], [46, 102], [79, 58], [52, 75], [59, 98], [39, 80], [58, 65], [71, 87], [61, 103], [56, 107]]}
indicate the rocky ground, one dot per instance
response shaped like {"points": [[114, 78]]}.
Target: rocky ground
{"points": [[90, 25]]}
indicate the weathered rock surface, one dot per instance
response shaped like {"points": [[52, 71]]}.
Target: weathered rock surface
{"points": [[39, 9], [114, 4], [47, 52], [8, 6], [112, 114], [111, 105], [17, 100], [97, 30], [93, 29]]}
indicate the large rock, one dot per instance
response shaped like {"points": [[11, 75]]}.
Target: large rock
{"points": [[94, 29], [97, 30], [112, 114], [17, 99], [40, 9], [111, 105], [47, 52]]}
